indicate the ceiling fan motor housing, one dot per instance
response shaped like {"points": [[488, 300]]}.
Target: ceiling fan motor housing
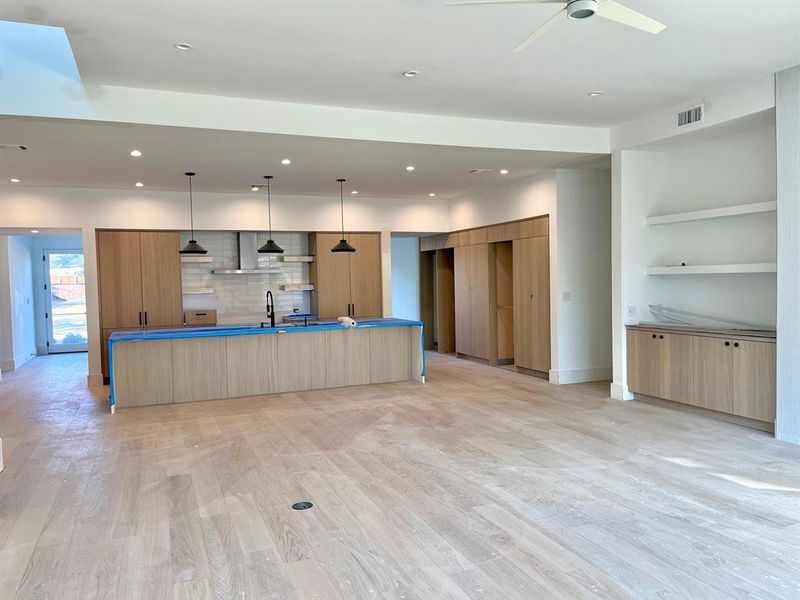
{"points": [[581, 9]]}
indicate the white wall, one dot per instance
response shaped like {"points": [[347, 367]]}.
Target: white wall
{"points": [[787, 422], [582, 296], [39, 244], [405, 277], [16, 296], [698, 173]]}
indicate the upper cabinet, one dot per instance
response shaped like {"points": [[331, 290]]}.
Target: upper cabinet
{"points": [[346, 283]]}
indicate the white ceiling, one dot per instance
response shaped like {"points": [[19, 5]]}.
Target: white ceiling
{"points": [[351, 53], [93, 154]]}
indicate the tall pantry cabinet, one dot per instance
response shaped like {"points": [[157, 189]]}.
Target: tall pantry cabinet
{"points": [[139, 282], [346, 283]]}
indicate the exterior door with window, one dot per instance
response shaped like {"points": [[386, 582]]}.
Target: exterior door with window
{"points": [[65, 305]]}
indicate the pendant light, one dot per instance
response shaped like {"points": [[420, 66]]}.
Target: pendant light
{"points": [[192, 247], [270, 247], [342, 246]]}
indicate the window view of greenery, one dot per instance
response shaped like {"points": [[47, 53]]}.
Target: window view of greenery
{"points": [[68, 299]]}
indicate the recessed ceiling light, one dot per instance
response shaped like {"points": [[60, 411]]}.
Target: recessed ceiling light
{"points": [[410, 74], [503, 171], [410, 168], [136, 153], [596, 93], [354, 192], [286, 161], [14, 180], [182, 46], [34, 231], [139, 184], [254, 188], [432, 195]]}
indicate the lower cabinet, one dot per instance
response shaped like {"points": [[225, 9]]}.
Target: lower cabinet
{"points": [[728, 375]]}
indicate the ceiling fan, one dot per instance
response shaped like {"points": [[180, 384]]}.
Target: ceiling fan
{"points": [[578, 10]]}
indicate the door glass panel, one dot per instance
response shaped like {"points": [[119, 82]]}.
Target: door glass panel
{"points": [[67, 290]]}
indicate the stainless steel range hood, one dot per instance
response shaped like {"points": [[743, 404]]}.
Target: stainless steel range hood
{"points": [[248, 257]]}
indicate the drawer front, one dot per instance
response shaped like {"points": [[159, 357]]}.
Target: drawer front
{"points": [[200, 317]]}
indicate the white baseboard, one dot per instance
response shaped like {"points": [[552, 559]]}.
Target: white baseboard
{"points": [[16, 362], [566, 376], [94, 380], [620, 391]]}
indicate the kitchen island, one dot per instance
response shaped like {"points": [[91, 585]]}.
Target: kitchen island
{"points": [[169, 366]]}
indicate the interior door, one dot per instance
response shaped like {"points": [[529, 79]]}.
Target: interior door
{"points": [[463, 305], [120, 279], [65, 306], [531, 275], [161, 279], [479, 299], [366, 290]]}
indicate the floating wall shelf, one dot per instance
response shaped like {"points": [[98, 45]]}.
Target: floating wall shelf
{"points": [[297, 287], [198, 291], [306, 259], [713, 213], [714, 269], [196, 259]]}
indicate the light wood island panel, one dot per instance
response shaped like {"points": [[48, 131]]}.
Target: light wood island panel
{"points": [[187, 369]]}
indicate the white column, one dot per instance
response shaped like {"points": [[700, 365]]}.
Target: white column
{"points": [[95, 377], [619, 386], [386, 268]]}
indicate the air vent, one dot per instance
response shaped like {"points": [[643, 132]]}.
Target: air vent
{"points": [[17, 147], [479, 171], [691, 116]]}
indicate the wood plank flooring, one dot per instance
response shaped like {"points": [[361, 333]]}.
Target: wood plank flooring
{"points": [[480, 484]]}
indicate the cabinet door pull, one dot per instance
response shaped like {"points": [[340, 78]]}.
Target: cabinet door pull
{"points": [[354, 310], [727, 343], [661, 337], [736, 344], [145, 318], [140, 318], [200, 314], [654, 336]]}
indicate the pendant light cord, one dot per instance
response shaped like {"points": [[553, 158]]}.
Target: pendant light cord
{"points": [[269, 208], [191, 206], [341, 202]]}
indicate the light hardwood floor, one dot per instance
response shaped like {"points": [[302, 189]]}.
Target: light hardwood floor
{"points": [[481, 484]]}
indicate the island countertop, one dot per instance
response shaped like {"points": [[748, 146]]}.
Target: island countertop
{"points": [[165, 366]]}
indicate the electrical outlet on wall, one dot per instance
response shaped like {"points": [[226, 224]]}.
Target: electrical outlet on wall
{"points": [[631, 310]]}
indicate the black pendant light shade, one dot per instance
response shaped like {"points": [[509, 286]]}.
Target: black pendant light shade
{"points": [[192, 247], [270, 247], [342, 246]]}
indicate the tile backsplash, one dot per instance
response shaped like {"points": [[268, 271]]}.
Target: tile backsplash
{"points": [[242, 298]]}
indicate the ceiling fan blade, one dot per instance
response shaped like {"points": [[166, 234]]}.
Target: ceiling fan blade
{"points": [[559, 16], [505, 2], [608, 9]]}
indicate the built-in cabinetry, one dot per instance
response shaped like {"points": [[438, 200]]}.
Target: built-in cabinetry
{"points": [[346, 283], [139, 282], [728, 372], [493, 285], [472, 300]]}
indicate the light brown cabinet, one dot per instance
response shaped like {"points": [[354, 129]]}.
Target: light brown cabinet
{"points": [[531, 281], [472, 300], [139, 281], [661, 365], [346, 283], [725, 374]]}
